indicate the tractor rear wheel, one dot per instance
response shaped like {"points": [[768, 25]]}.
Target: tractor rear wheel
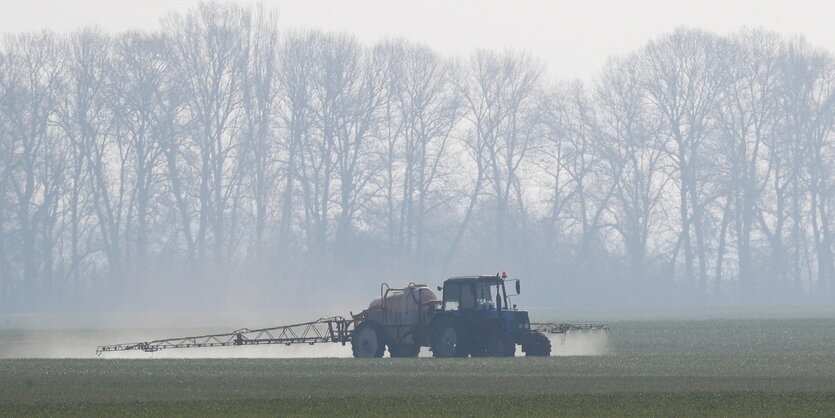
{"points": [[538, 345], [403, 350], [500, 344], [479, 348], [368, 340], [449, 340]]}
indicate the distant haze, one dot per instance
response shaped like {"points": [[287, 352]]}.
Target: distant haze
{"points": [[574, 37], [292, 158]]}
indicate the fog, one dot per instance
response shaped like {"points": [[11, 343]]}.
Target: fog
{"points": [[75, 343], [224, 164], [595, 343]]}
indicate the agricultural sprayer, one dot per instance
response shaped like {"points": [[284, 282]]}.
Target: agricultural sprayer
{"points": [[474, 317]]}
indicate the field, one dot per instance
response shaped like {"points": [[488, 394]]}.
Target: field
{"points": [[740, 366]]}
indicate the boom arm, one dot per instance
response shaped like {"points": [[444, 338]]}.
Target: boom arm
{"points": [[324, 330]]}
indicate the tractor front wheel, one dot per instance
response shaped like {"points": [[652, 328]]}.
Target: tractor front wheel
{"points": [[449, 340], [368, 340]]}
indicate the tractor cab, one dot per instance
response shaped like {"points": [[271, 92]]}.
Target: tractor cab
{"points": [[483, 301], [475, 293]]}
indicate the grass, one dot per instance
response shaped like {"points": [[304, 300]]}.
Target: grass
{"points": [[582, 405], [747, 367], [36, 381]]}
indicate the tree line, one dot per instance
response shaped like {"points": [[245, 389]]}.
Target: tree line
{"points": [[221, 159]]}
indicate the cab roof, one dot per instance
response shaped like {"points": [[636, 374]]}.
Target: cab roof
{"points": [[464, 279]]}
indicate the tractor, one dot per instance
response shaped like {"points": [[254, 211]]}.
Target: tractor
{"points": [[473, 318]]}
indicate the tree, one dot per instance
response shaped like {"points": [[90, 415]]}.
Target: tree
{"points": [[631, 149], [499, 93], [683, 78], [139, 112], [808, 107], [748, 119], [209, 50], [421, 112], [297, 121], [259, 149], [34, 162]]}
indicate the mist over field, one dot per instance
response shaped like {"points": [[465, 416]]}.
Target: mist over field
{"points": [[78, 344], [417, 208], [226, 164]]}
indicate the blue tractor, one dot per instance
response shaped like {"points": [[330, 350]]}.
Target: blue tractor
{"points": [[473, 318], [477, 319]]}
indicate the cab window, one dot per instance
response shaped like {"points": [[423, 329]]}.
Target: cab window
{"points": [[491, 296], [484, 296], [459, 296], [452, 294], [467, 297]]}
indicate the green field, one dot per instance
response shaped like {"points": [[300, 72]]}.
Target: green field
{"points": [[735, 367]]}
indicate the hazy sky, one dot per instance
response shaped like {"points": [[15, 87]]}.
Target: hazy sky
{"points": [[574, 37]]}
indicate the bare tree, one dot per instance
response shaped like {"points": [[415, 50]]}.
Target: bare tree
{"points": [[296, 114], [85, 119], [808, 107], [138, 105], [336, 162], [683, 79], [33, 170], [421, 111], [355, 113], [748, 117], [6, 197], [259, 150], [317, 157], [631, 148], [209, 49], [499, 92]]}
